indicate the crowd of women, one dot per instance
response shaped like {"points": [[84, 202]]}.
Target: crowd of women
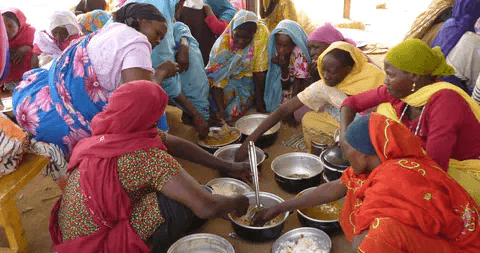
{"points": [[94, 88]]}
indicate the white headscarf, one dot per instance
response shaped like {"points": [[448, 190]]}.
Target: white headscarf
{"points": [[64, 19], [194, 4]]}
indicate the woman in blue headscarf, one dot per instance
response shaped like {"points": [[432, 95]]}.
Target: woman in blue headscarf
{"points": [[460, 44], [169, 50], [237, 66], [287, 65]]}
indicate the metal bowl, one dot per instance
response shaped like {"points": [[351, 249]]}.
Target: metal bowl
{"points": [[227, 153], [328, 226], [201, 243], [289, 167], [260, 233], [213, 148], [237, 186], [248, 124], [321, 239], [331, 171]]}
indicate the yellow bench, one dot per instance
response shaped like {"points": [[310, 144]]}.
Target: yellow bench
{"points": [[10, 220]]}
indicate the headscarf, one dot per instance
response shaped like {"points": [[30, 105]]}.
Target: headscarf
{"points": [[327, 33], [194, 4], [127, 124], [465, 13], [477, 26], [24, 37], [223, 9], [415, 56], [3, 47], [358, 136], [64, 19], [273, 84], [226, 60], [409, 187], [93, 21], [364, 75], [130, 12], [426, 19]]}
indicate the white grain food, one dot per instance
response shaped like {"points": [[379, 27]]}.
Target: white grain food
{"points": [[227, 189], [301, 245]]}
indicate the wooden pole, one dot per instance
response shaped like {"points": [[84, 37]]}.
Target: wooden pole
{"points": [[346, 8], [251, 4]]}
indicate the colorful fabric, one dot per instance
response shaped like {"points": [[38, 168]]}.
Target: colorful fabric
{"points": [[439, 208], [228, 63], [327, 33], [464, 15], [298, 64], [14, 144], [3, 48], [57, 105], [195, 84], [93, 21], [273, 85], [239, 4], [24, 37], [284, 9], [424, 22], [223, 9], [416, 57], [477, 26], [238, 97], [123, 127]]}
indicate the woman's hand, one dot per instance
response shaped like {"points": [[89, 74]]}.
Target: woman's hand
{"points": [[241, 206], [263, 216], [201, 125], [242, 152], [17, 55], [221, 115], [182, 56], [208, 9], [168, 69], [281, 60], [241, 171]]}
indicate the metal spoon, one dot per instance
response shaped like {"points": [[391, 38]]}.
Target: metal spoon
{"points": [[252, 156]]}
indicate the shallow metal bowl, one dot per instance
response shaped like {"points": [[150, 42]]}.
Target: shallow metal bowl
{"points": [[237, 186], [213, 148], [227, 153], [248, 124], [201, 243], [318, 236]]}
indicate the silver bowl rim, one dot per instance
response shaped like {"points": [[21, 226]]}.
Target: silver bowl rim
{"points": [[229, 146], [226, 179], [294, 231], [276, 127], [267, 194], [275, 161], [200, 236], [310, 218], [330, 167], [218, 146]]}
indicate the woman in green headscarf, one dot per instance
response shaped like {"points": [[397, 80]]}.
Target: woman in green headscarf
{"points": [[442, 114]]}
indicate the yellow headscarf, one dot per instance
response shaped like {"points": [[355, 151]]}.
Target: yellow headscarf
{"points": [[364, 75]]}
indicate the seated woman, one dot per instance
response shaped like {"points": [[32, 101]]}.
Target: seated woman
{"points": [[288, 64], [93, 21], [237, 66], [345, 71], [57, 105], [274, 11], [86, 6], [20, 41], [443, 115], [382, 212], [460, 44], [63, 30], [124, 188], [4, 52]]}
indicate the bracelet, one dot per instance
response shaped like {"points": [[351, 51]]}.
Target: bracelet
{"points": [[286, 79]]}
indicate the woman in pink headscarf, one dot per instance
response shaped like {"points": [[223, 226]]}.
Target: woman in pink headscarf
{"points": [[3, 50]]}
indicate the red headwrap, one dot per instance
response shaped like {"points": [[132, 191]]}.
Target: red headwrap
{"points": [[127, 124]]}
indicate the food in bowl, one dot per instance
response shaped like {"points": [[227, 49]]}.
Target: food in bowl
{"points": [[299, 175], [221, 136], [244, 220], [327, 211], [226, 189], [301, 245]]}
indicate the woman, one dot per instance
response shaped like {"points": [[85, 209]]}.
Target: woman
{"points": [[288, 64], [124, 173], [237, 66], [274, 11], [93, 21], [57, 105], [443, 115], [4, 53], [345, 71], [20, 39], [382, 212], [63, 29], [460, 44]]}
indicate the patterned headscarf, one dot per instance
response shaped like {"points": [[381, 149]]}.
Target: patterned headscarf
{"points": [[93, 21]]}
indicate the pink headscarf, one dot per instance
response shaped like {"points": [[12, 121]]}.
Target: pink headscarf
{"points": [[327, 33], [3, 45]]}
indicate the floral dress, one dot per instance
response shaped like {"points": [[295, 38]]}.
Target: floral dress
{"points": [[297, 69]]}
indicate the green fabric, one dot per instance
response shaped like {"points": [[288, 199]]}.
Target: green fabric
{"points": [[415, 56]]}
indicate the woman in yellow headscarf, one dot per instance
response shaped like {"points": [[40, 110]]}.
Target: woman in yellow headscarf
{"points": [[274, 11], [344, 71], [442, 114]]}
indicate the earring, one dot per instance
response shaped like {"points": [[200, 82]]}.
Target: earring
{"points": [[413, 87]]}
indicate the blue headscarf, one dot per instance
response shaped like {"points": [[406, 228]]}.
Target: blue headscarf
{"points": [[223, 9], [273, 84], [358, 135], [465, 13]]}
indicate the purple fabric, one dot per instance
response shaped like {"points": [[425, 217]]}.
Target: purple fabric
{"points": [[465, 14]]}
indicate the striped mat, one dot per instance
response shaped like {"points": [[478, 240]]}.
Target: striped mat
{"points": [[296, 142]]}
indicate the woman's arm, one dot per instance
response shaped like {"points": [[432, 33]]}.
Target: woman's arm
{"points": [[282, 111], [323, 194], [217, 94], [216, 26], [182, 56], [298, 86], [184, 189], [259, 81], [347, 115]]}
